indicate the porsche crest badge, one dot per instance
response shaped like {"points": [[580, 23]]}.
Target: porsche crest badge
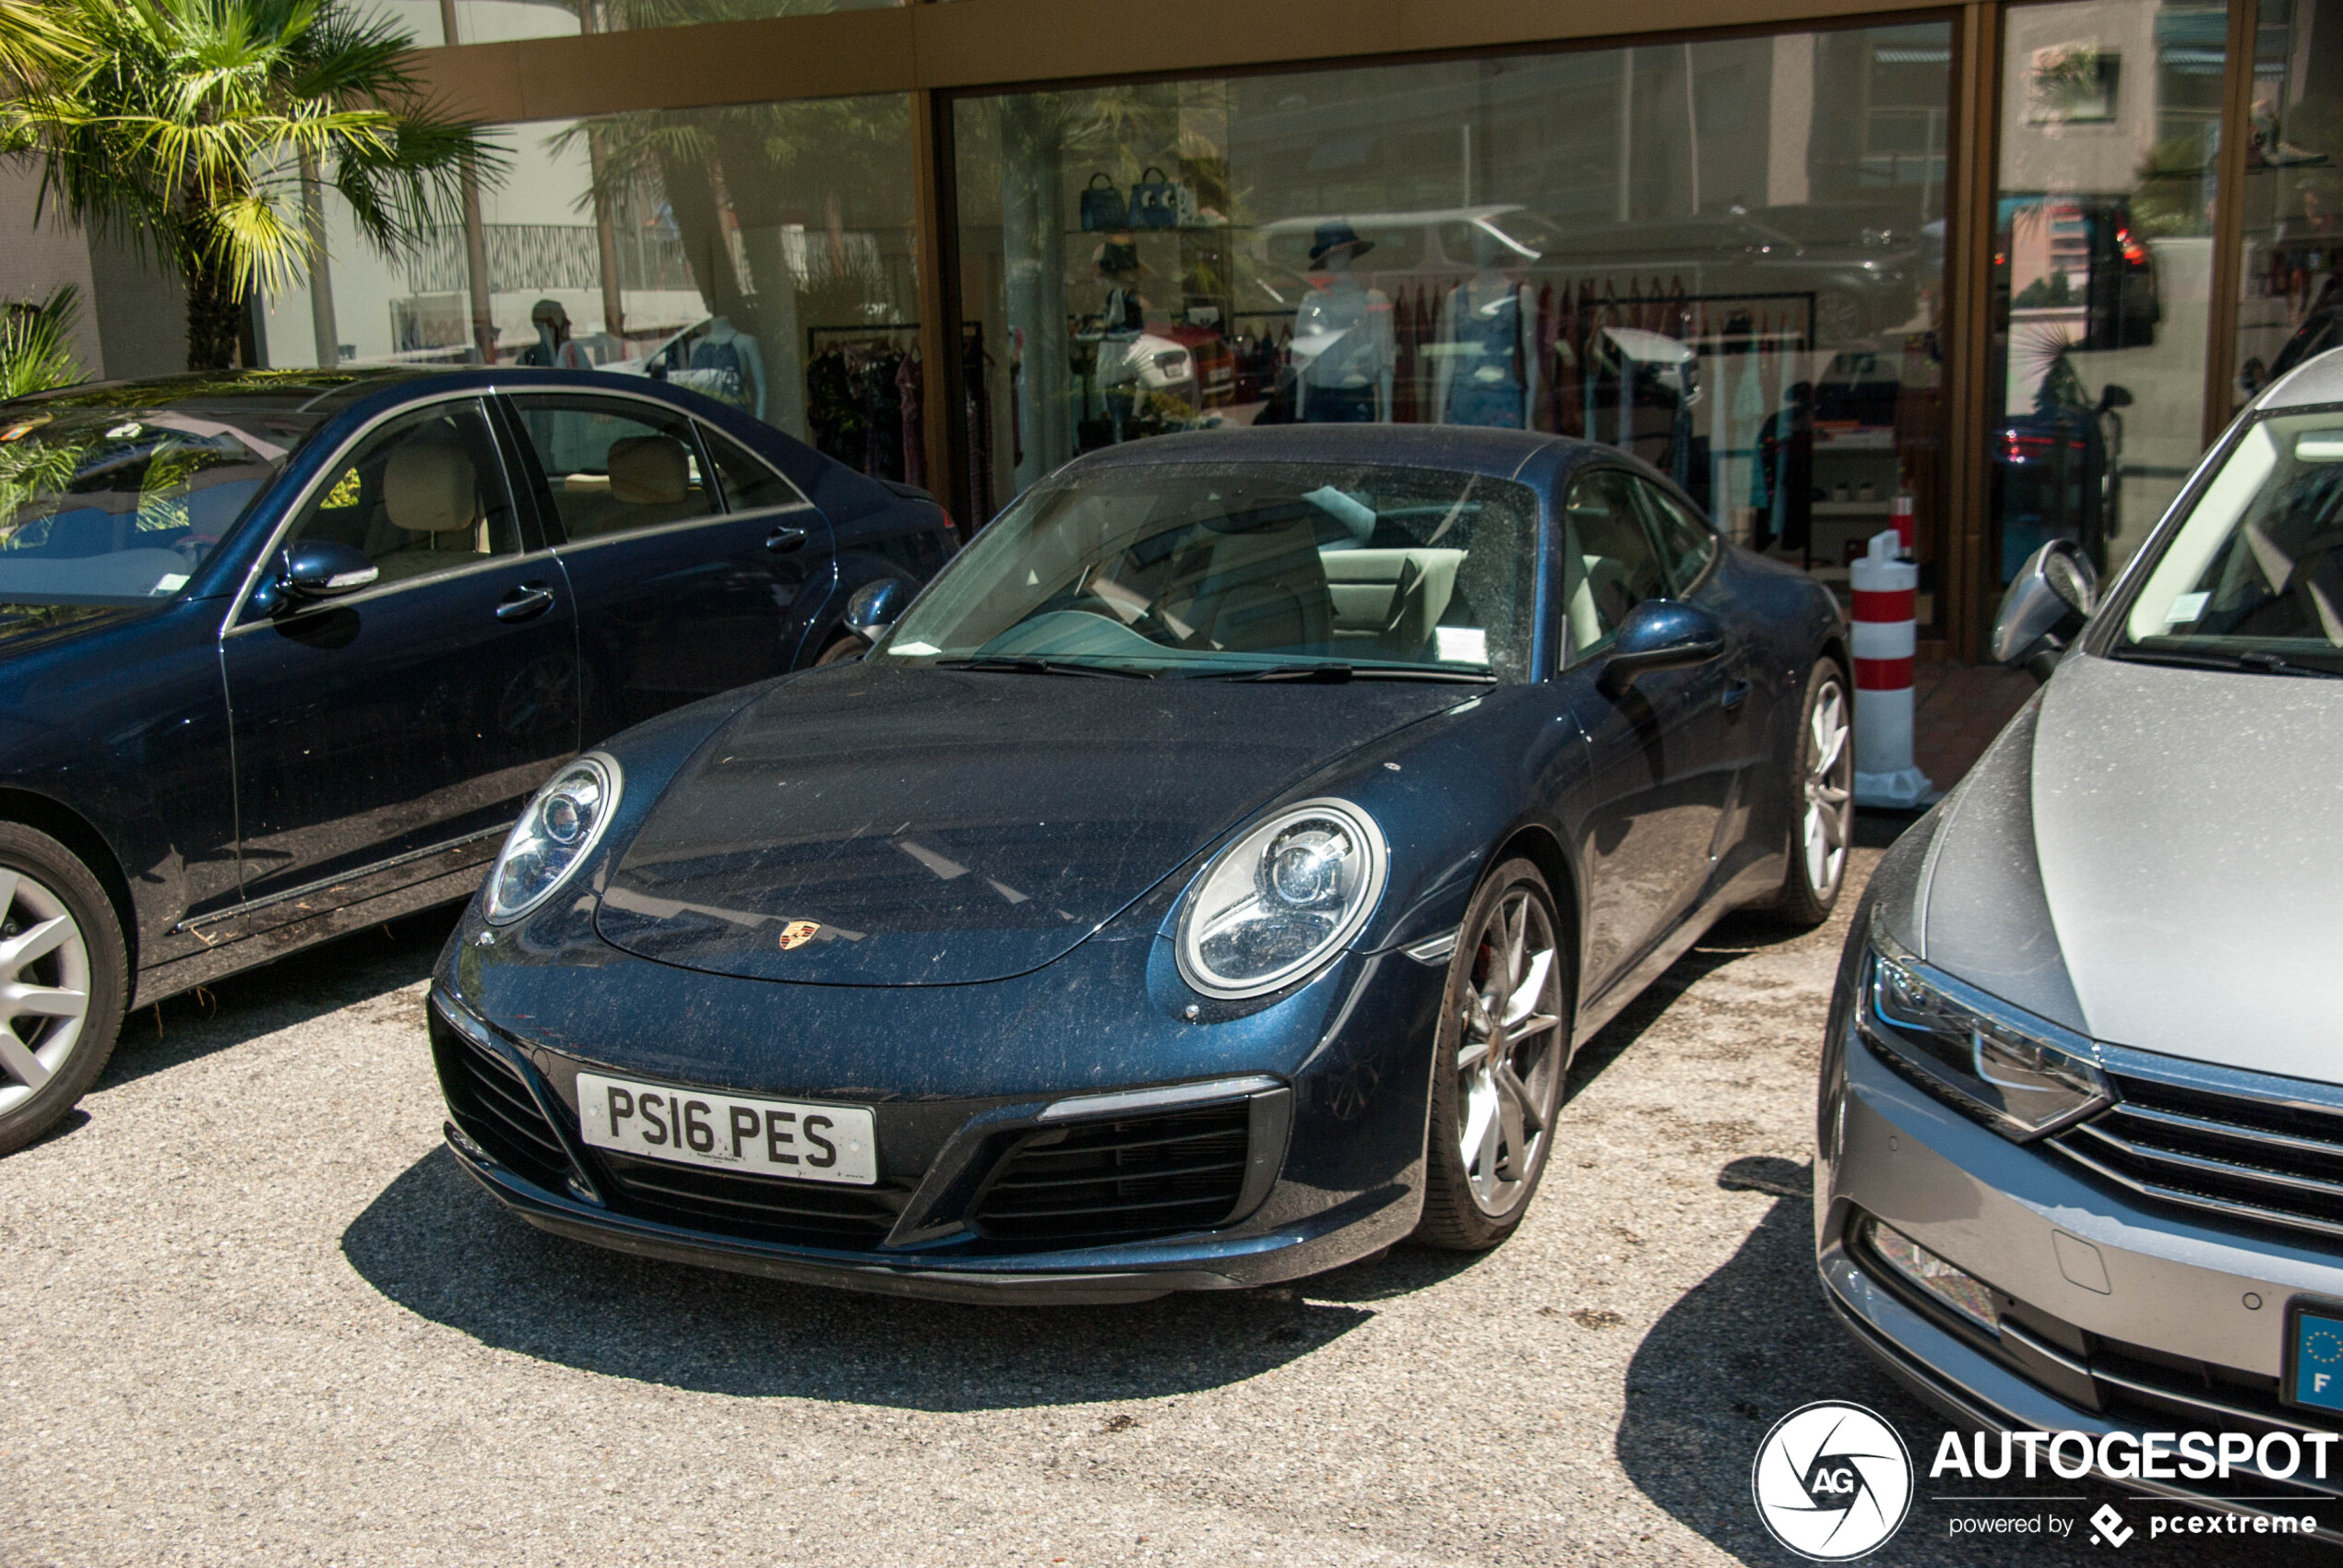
{"points": [[797, 933]]}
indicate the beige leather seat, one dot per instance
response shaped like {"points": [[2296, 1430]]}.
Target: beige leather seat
{"points": [[431, 498], [650, 479], [1260, 590]]}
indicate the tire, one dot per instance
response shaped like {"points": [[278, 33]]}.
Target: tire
{"points": [[1820, 787], [839, 648], [1477, 1186], [49, 1057]]}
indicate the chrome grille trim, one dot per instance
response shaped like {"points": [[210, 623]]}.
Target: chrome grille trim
{"points": [[2247, 1147]]}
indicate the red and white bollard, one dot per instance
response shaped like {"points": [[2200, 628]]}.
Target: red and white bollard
{"points": [[1886, 637]]}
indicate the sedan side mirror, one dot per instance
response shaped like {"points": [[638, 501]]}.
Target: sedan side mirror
{"points": [[320, 568], [2044, 606], [1659, 634], [874, 607]]}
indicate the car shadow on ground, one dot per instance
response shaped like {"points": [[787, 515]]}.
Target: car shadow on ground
{"points": [[294, 989], [1755, 1341], [439, 1246]]}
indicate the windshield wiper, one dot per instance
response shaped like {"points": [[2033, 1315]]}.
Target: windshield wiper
{"points": [[2253, 662], [1331, 674], [1027, 664]]}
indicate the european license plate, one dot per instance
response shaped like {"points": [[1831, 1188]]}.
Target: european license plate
{"points": [[724, 1132], [2314, 1354]]}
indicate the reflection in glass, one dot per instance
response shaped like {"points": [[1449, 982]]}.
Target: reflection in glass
{"points": [[2110, 124], [2292, 304], [1723, 255], [496, 21], [763, 254]]}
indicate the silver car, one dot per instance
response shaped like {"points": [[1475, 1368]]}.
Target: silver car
{"points": [[2081, 1115]]}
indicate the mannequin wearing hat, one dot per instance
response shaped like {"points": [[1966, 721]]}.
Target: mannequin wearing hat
{"points": [[554, 347], [1344, 345], [1487, 369]]}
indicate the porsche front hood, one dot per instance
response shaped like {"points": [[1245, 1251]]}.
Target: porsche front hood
{"points": [[2150, 857], [936, 827]]}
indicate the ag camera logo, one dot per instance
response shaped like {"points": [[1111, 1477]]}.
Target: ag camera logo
{"points": [[1832, 1482]]}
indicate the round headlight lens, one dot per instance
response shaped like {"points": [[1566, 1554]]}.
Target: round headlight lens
{"points": [[560, 825], [1281, 900]]}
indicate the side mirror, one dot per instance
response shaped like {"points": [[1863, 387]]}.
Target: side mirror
{"points": [[2114, 396], [874, 607], [321, 569], [1659, 634], [2044, 606]]}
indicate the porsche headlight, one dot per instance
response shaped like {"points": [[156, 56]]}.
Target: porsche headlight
{"points": [[558, 831], [2022, 1076], [1281, 900]]}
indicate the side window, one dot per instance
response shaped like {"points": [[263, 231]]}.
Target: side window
{"points": [[615, 466], [749, 482], [1608, 564], [423, 493], [1686, 544]]}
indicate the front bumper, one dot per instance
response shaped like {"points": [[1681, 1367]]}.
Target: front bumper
{"points": [[2115, 1316], [1328, 1110]]}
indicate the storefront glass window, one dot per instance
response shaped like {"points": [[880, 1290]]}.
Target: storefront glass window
{"points": [[2292, 305], [495, 22], [1725, 255], [2103, 262], [763, 254]]}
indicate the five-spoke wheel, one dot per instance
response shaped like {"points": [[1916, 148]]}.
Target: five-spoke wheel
{"points": [[61, 982], [1821, 781], [1504, 1048]]}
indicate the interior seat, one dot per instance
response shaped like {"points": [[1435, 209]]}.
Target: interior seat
{"points": [[431, 501], [1259, 590]]}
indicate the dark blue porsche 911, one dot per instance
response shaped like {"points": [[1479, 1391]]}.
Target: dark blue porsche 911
{"points": [[1202, 883], [282, 655]]}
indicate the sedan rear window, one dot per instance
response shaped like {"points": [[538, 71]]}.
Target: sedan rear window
{"points": [[1205, 568], [109, 502]]}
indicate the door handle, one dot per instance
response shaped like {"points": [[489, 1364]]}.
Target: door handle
{"points": [[525, 603], [1736, 691], [780, 541]]}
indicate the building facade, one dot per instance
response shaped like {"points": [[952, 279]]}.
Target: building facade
{"points": [[2003, 267]]}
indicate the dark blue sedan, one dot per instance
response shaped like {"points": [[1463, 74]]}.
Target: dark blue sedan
{"points": [[284, 655], [1202, 883]]}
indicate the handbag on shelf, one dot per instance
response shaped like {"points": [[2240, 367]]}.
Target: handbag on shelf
{"points": [[1103, 205], [1155, 200]]}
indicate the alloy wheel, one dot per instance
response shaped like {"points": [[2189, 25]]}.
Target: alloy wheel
{"points": [[44, 986], [1512, 1054], [1826, 822]]}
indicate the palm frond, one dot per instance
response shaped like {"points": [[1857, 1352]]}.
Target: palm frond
{"points": [[36, 349]]}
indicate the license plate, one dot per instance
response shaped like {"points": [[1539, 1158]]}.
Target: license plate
{"points": [[2314, 1354], [726, 1132]]}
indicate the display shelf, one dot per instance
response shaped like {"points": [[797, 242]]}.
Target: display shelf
{"points": [[1854, 508]]}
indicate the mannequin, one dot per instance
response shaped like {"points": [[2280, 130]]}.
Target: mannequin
{"points": [[1344, 345], [1487, 369], [741, 369], [554, 347], [1120, 325]]}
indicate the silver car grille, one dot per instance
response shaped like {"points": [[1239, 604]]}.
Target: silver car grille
{"points": [[2242, 1146]]}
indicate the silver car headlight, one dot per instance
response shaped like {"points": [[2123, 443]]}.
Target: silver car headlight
{"points": [[560, 829], [1281, 900], [2020, 1074]]}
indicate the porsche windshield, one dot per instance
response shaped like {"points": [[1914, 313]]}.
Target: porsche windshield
{"points": [[1283, 569], [2254, 577], [105, 499]]}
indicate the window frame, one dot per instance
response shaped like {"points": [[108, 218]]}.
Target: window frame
{"points": [[241, 615], [554, 528], [1566, 661], [1658, 495]]}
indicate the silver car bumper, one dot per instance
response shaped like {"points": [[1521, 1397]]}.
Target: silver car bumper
{"points": [[2115, 1316]]}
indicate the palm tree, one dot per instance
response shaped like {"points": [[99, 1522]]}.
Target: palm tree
{"points": [[188, 125], [36, 348]]}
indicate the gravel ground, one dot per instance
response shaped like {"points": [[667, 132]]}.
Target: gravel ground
{"points": [[251, 1313]]}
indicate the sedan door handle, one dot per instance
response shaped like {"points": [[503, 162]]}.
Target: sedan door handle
{"points": [[780, 541], [525, 603], [1735, 694]]}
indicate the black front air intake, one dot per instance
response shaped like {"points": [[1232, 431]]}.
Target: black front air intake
{"points": [[494, 1108], [1100, 1182]]}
